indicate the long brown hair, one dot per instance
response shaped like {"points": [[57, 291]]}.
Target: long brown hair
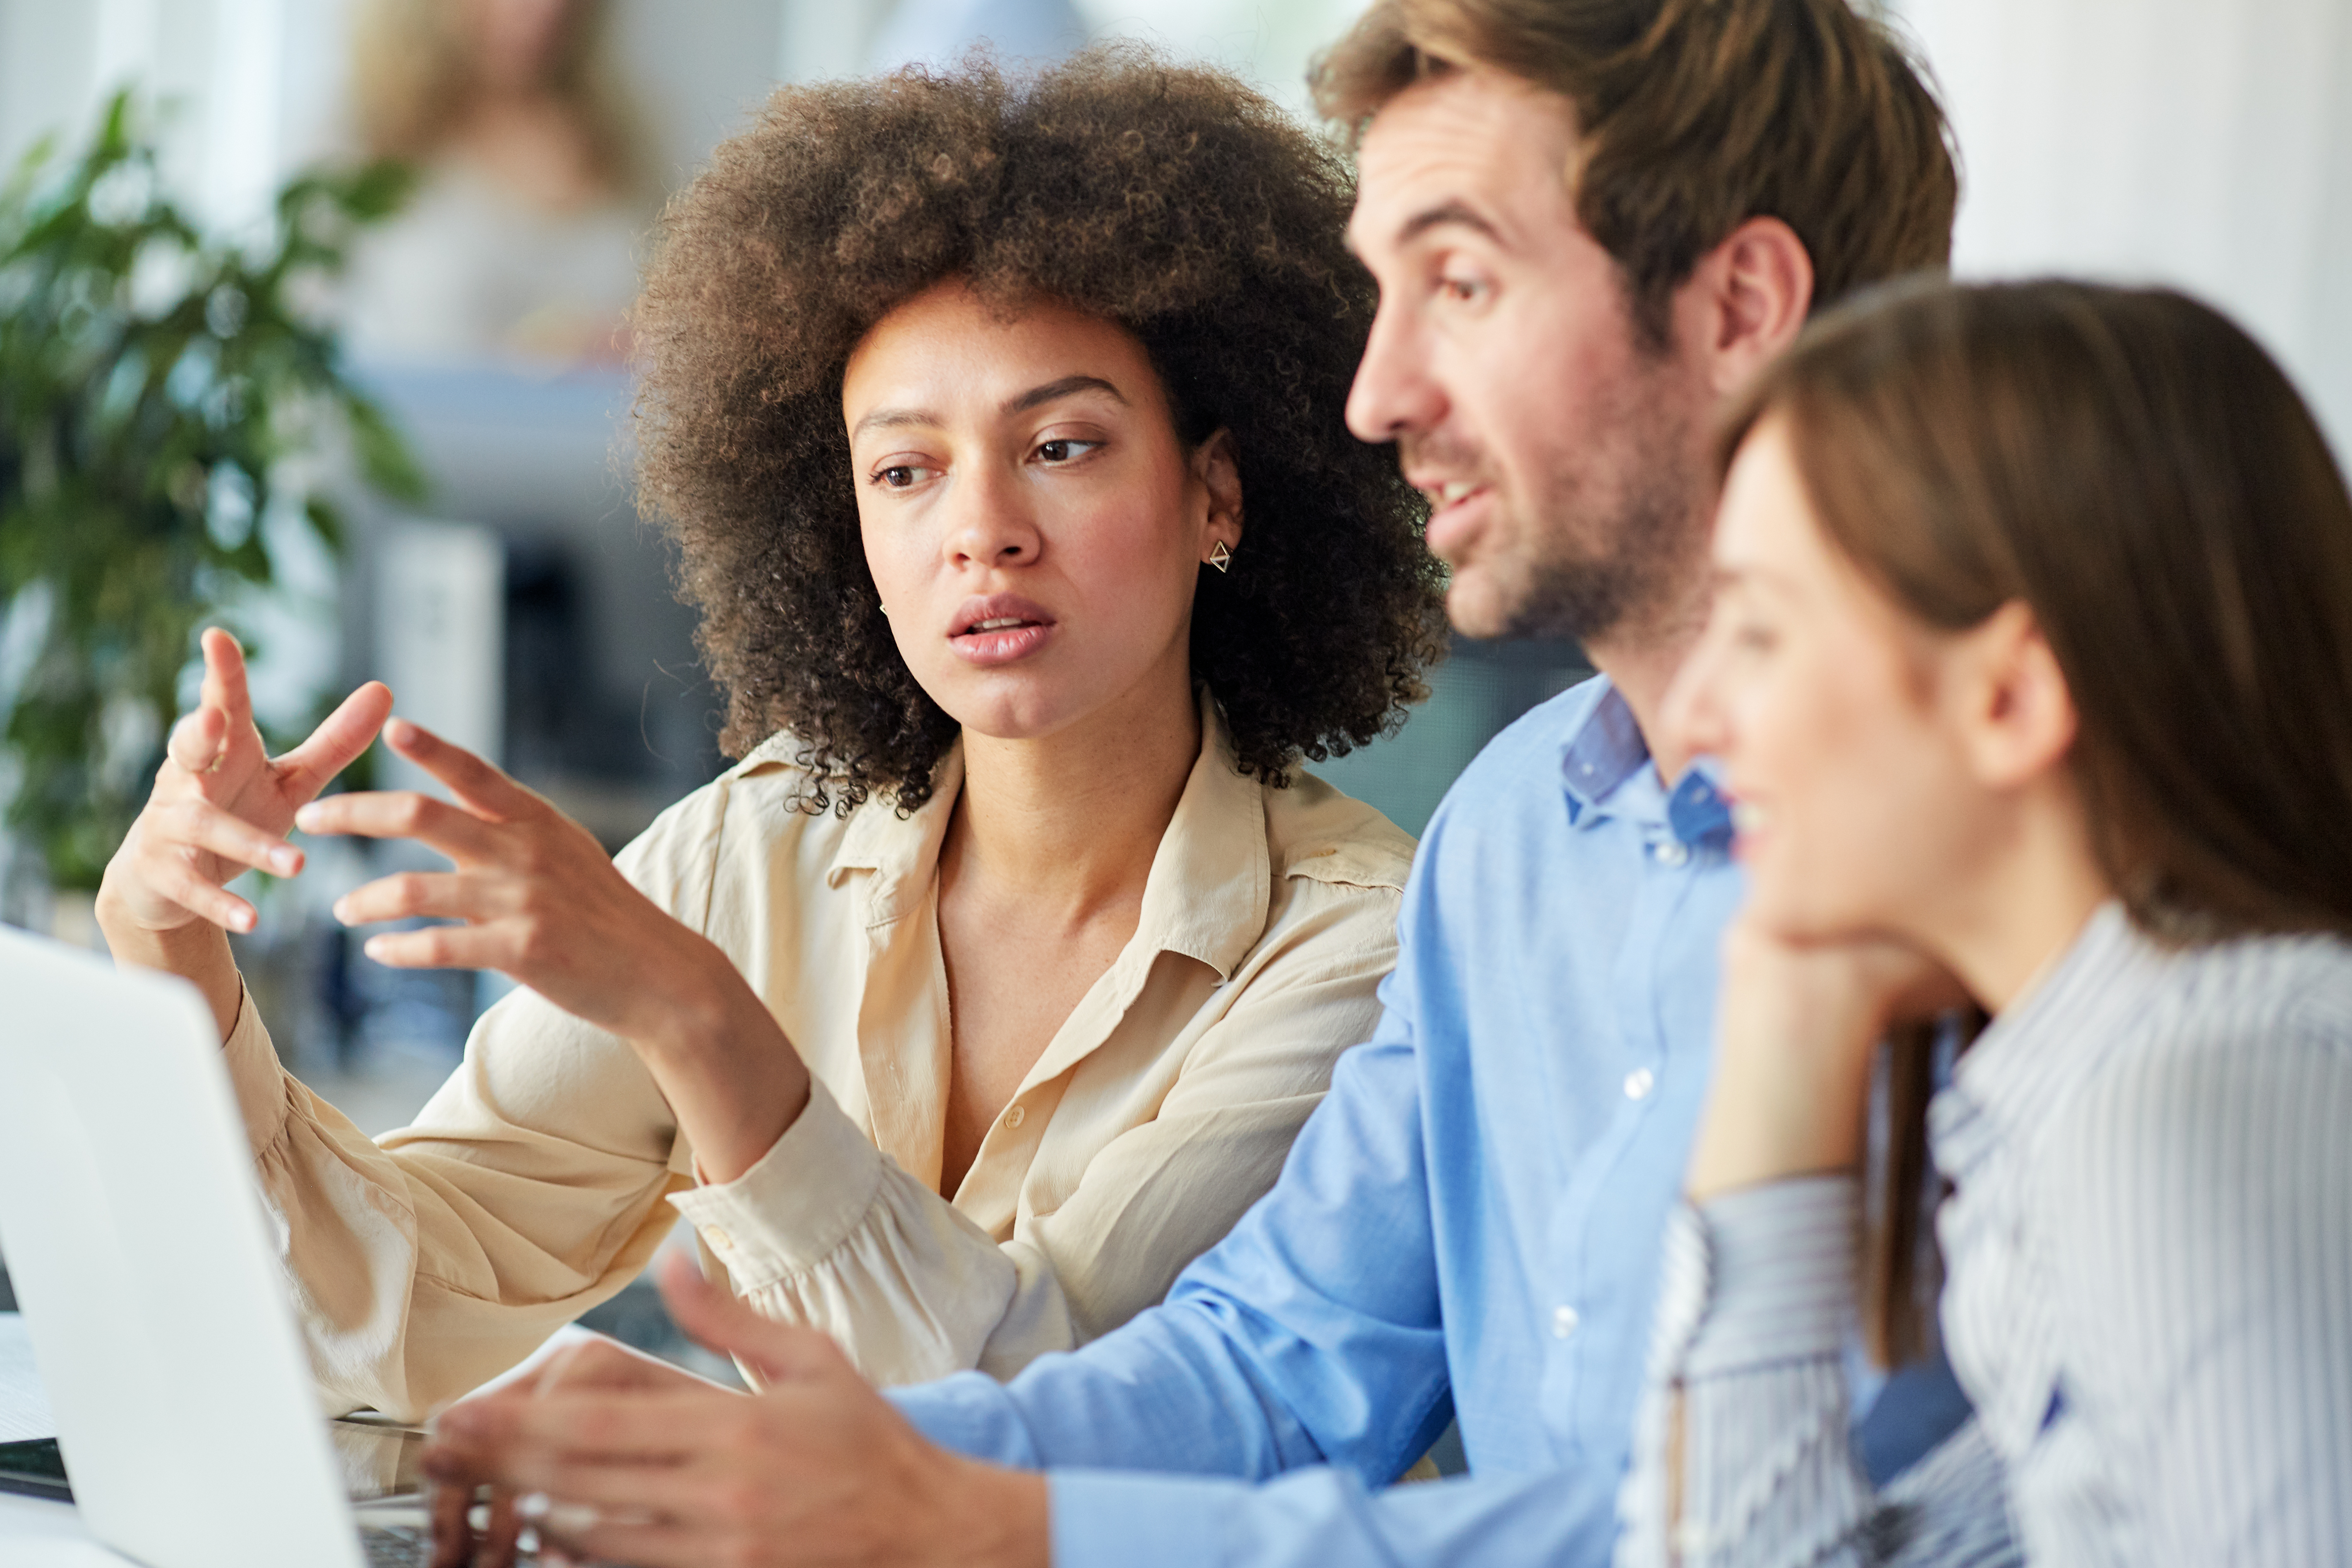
{"points": [[2134, 468]]}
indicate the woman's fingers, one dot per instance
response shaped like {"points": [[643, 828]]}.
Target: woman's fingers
{"points": [[442, 947], [198, 740], [338, 741], [201, 826], [179, 855], [225, 686], [405, 894], [177, 881], [481, 786], [401, 814]]}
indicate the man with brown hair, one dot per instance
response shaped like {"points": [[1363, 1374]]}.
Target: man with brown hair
{"points": [[1589, 220]]}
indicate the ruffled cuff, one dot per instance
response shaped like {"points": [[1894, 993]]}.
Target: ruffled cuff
{"points": [[796, 1205]]}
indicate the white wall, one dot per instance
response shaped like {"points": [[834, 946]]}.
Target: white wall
{"points": [[1268, 41], [2206, 144], [258, 85]]}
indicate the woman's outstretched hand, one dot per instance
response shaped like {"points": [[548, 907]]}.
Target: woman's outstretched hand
{"points": [[221, 806], [539, 900], [1797, 1024], [656, 1471]]}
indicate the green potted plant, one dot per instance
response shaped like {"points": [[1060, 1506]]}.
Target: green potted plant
{"points": [[160, 393]]}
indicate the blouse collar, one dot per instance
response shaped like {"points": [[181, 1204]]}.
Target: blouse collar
{"points": [[1207, 893]]}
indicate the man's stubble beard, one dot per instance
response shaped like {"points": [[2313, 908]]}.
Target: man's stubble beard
{"points": [[1618, 532]]}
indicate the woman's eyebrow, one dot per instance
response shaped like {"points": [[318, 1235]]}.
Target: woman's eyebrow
{"points": [[1062, 388], [888, 418]]}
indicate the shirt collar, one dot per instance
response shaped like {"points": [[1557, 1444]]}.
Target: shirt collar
{"points": [[2013, 1073], [901, 851], [1603, 767], [1603, 751], [1210, 885], [1212, 880]]}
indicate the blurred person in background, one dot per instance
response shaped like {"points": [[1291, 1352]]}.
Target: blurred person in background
{"points": [[1000, 424], [2031, 675], [522, 241]]}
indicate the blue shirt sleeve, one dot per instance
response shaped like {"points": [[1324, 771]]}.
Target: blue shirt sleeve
{"points": [[1315, 1518]]}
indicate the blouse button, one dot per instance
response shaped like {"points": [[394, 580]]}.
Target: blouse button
{"points": [[1639, 1082], [719, 1239], [1563, 1322], [1015, 1117]]}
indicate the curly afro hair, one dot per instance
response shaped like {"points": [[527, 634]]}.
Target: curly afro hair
{"points": [[1172, 200]]}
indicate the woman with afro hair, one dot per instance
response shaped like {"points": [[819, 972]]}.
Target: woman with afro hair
{"points": [[998, 424]]}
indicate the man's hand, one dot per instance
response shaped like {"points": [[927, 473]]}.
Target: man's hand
{"points": [[1796, 1026], [542, 901], [818, 1469], [221, 805], [597, 1364]]}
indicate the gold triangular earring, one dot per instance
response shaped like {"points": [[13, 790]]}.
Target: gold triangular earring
{"points": [[1220, 558]]}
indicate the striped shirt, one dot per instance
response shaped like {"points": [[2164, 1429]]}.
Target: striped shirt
{"points": [[2148, 1296]]}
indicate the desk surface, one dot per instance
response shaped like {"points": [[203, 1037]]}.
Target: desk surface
{"points": [[36, 1533]]}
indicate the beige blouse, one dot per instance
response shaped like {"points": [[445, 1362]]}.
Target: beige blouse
{"points": [[534, 1185]]}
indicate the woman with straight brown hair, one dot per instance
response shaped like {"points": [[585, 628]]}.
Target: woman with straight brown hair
{"points": [[2030, 671]]}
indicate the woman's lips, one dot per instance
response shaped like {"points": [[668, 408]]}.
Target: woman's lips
{"points": [[999, 628], [1002, 643]]}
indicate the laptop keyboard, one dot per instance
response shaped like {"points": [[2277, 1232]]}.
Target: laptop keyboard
{"points": [[397, 1546], [411, 1546]]}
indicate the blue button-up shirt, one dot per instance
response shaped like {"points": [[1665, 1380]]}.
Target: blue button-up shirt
{"points": [[1467, 1227]]}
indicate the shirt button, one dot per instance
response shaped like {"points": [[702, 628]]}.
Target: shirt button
{"points": [[1015, 1117], [1639, 1082], [1563, 1322], [719, 1240], [1672, 852]]}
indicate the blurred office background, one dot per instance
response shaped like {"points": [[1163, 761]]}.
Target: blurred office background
{"points": [[526, 610]]}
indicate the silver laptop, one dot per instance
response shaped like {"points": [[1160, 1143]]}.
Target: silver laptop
{"points": [[137, 1245]]}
